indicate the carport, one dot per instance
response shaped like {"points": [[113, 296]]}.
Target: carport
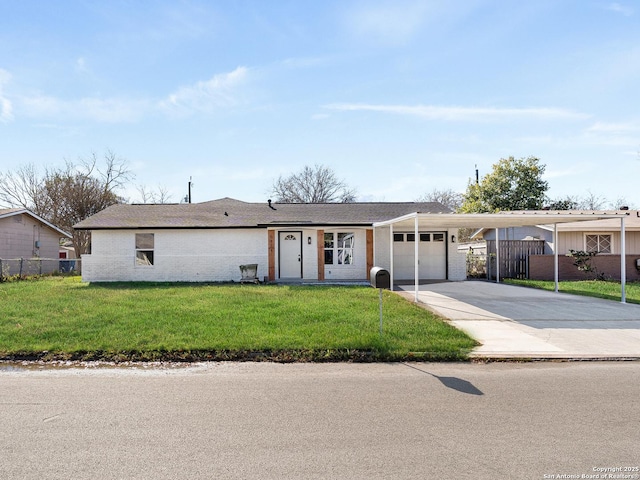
{"points": [[428, 221]]}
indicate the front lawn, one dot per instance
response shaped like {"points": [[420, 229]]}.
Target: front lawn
{"points": [[592, 288], [58, 318]]}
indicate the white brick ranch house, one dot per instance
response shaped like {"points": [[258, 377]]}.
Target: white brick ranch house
{"points": [[208, 241]]}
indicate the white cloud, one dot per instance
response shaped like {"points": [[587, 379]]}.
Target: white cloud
{"points": [[431, 112], [6, 107], [619, 128], [623, 9], [614, 134], [205, 96]]}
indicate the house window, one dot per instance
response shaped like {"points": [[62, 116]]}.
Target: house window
{"points": [[438, 237], [411, 237], [425, 237], [144, 248], [338, 248], [398, 237], [597, 243]]}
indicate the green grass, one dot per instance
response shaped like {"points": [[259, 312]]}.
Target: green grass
{"points": [[70, 319], [593, 288]]}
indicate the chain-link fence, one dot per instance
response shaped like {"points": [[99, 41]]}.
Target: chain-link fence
{"points": [[26, 267]]}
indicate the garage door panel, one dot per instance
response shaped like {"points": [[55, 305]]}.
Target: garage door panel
{"points": [[432, 263]]}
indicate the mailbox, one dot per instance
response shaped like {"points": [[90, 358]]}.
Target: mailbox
{"points": [[380, 278]]}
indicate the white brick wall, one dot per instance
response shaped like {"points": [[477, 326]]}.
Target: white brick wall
{"points": [[215, 255], [179, 255], [457, 260]]}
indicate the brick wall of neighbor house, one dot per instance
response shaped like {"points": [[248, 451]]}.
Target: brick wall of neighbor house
{"points": [[541, 267], [179, 255]]}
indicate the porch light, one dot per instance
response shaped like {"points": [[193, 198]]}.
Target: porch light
{"points": [[453, 239], [309, 240]]}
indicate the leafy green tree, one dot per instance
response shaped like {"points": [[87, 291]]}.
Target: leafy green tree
{"points": [[513, 184]]}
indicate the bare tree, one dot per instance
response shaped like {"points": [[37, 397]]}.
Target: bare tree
{"points": [[449, 198], [161, 195], [622, 202], [318, 184], [65, 196], [23, 188], [591, 201]]}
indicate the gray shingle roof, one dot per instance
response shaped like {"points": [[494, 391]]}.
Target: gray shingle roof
{"points": [[231, 213]]}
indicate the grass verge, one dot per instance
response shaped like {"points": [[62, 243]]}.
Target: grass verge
{"points": [[591, 288], [64, 319]]}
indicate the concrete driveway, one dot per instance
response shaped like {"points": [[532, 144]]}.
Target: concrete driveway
{"points": [[519, 322]]}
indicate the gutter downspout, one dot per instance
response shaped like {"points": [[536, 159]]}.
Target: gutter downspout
{"points": [[555, 256], [623, 263], [391, 255], [416, 258], [497, 255]]}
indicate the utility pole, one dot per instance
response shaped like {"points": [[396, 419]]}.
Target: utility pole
{"points": [[189, 195]]}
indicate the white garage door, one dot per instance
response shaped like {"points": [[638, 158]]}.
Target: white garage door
{"points": [[432, 255]]}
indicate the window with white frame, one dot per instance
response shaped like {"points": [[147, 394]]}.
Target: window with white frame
{"points": [[597, 243], [338, 248], [144, 249]]}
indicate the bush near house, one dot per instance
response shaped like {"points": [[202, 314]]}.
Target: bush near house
{"points": [[63, 318]]}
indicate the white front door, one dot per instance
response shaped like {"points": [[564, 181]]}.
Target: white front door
{"points": [[290, 254]]}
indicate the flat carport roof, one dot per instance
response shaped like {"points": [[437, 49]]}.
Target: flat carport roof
{"points": [[429, 221]]}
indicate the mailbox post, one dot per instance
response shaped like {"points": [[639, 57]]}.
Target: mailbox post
{"points": [[380, 279]]}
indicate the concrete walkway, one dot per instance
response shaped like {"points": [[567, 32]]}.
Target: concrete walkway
{"points": [[519, 322]]}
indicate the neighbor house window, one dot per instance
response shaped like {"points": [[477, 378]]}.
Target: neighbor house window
{"points": [[144, 248], [597, 243], [338, 248]]}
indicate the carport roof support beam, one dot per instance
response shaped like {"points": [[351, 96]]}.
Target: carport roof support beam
{"points": [[493, 220]]}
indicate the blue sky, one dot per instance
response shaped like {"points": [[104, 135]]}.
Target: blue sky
{"points": [[397, 97]]}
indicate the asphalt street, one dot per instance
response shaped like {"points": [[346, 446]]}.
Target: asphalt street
{"points": [[319, 421]]}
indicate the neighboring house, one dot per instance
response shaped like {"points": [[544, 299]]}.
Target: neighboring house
{"points": [[600, 237], [26, 236], [313, 242]]}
